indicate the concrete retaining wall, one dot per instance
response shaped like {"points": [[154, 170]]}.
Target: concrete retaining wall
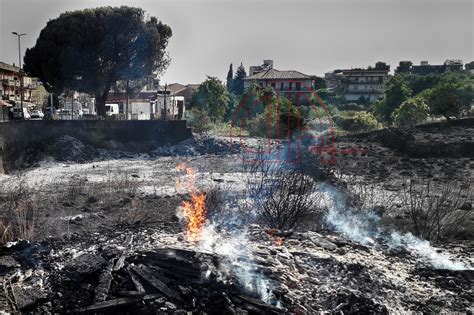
{"points": [[18, 137]]}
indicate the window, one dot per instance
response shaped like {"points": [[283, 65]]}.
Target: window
{"points": [[298, 86], [291, 86], [273, 85], [281, 86]]}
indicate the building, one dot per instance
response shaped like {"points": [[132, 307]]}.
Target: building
{"points": [[286, 82], [359, 84], [424, 68], [10, 85], [150, 101], [333, 79]]}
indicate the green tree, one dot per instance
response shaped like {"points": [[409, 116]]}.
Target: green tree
{"points": [[444, 101], [355, 121], [469, 65], [230, 79], [232, 104], [396, 92], [238, 84], [200, 121], [211, 97], [412, 111], [89, 50]]}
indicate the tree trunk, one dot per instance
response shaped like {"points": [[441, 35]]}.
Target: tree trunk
{"points": [[100, 100]]}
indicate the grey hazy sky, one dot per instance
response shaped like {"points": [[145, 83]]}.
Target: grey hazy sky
{"points": [[310, 36]]}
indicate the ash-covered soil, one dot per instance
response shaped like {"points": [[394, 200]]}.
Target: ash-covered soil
{"points": [[108, 238]]}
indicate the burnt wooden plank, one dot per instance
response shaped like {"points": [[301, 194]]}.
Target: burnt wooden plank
{"points": [[150, 278], [105, 305], [135, 280], [105, 280]]}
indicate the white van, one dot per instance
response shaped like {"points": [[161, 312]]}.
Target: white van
{"points": [[111, 109]]}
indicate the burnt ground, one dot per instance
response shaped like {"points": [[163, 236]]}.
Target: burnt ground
{"points": [[386, 161], [107, 237]]}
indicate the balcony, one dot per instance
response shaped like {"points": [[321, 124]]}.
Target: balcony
{"points": [[10, 82]]}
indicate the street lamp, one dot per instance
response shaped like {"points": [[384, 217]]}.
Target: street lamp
{"points": [[20, 72]]}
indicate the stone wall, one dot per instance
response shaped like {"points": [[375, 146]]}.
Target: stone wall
{"points": [[19, 137]]}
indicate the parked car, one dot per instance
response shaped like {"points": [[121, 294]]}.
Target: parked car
{"points": [[17, 114], [37, 114]]}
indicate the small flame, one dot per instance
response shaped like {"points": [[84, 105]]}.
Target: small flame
{"points": [[279, 241], [194, 211]]}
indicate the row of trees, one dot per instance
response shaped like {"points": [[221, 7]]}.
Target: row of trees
{"points": [[409, 99]]}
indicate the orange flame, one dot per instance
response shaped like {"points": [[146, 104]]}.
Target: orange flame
{"points": [[194, 210]]}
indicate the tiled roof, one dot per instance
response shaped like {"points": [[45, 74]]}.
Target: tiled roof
{"points": [[6, 66], [273, 74]]}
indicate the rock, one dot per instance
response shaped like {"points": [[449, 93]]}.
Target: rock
{"points": [[467, 206], [170, 306], [85, 264], [92, 199], [8, 262], [321, 242], [26, 297]]}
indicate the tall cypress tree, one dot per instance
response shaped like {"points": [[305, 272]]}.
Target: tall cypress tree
{"points": [[240, 74], [230, 79]]}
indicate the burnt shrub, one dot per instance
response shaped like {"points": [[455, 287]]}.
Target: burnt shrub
{"points": [[282, 195], [437, 213]]}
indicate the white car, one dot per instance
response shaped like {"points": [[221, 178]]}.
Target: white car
{"points": [[37, 114]]}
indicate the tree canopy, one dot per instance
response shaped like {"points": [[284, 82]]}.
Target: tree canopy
{"points": [[444, 101], [396, 92], [238, 82], [412, 111], [211, 96], [89, 50]]}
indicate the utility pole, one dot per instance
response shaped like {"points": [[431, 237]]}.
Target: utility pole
{"points": [[126, 104], [20, 71], [164, 103]]}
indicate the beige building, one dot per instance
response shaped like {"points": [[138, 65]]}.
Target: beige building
{"points": [[288, 82], [357, 84], [10, 85]]}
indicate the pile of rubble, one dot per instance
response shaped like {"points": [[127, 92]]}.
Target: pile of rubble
{"points": [[156, 269], [198, 145], [70, 149]]}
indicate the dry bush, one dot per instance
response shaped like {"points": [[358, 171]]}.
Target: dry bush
{"points": [[371, 197], [117, 186], [6, 234], [134, 214], [282, 195], [25, 219], [437, 212], [227, 206], [75, 187], [19, 219]]}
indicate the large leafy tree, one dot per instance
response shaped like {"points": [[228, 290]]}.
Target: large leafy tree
{"points": [[211, 97], [396, 92], [444, 101], [89, 50]]}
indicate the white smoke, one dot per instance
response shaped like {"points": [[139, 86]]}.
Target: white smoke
{"points": [[424, 249], [240, 260], [364, 227]]}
